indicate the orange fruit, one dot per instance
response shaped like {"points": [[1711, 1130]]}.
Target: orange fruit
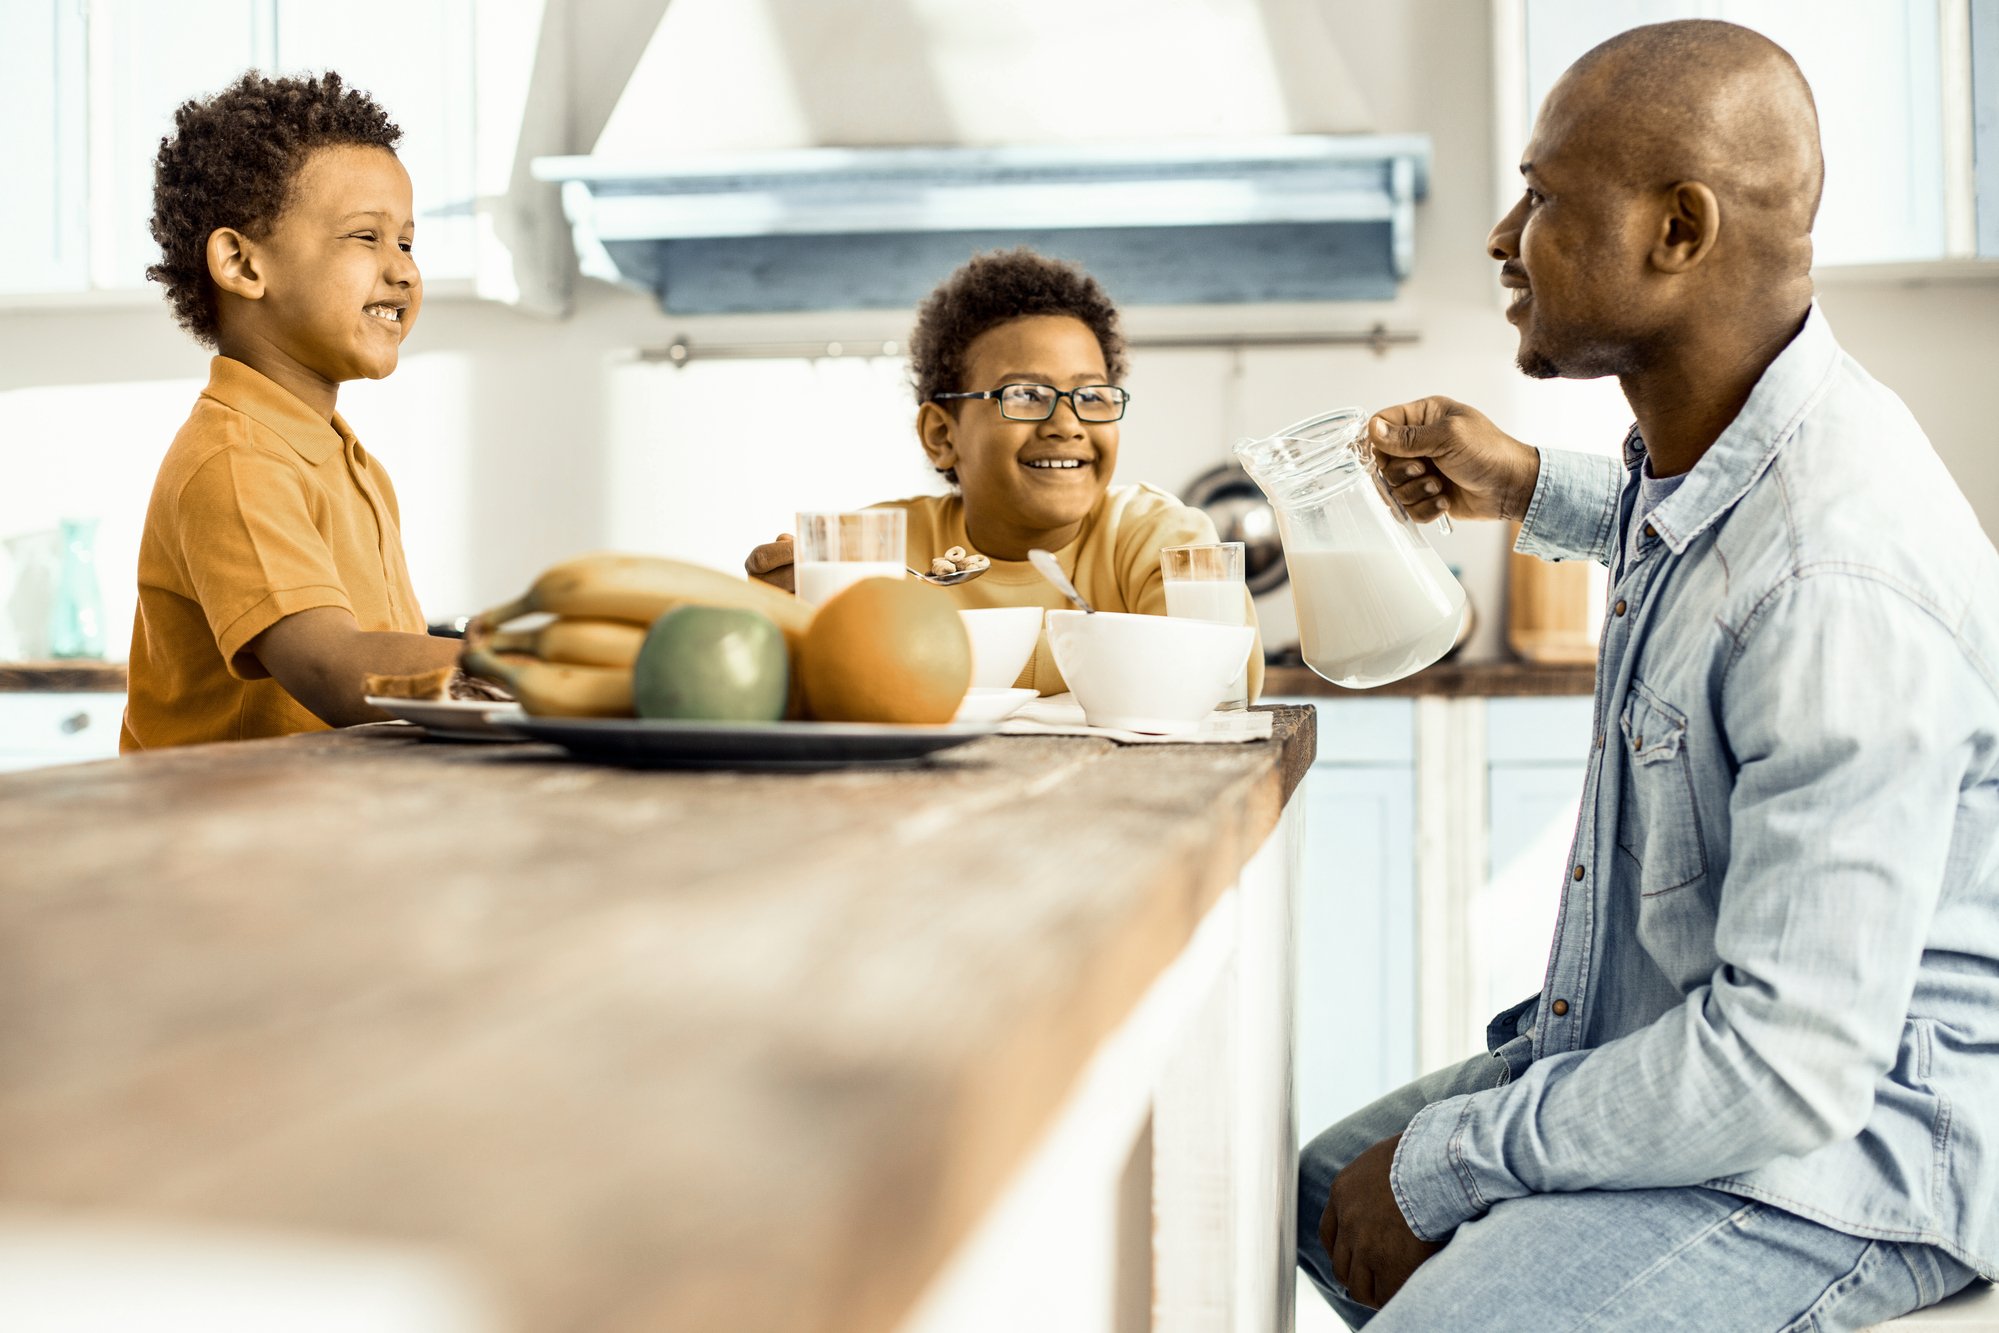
{"points": [[886, 650]]}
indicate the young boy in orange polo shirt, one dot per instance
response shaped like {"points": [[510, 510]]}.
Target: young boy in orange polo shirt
{"points": [[1016, 360], [271, 574]]}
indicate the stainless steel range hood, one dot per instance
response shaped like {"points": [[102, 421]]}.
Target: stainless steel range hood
{"points": [[786, 155], [1299, 218]]}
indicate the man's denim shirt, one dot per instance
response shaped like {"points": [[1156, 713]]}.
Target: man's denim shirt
{"points": [[1776, 967]]}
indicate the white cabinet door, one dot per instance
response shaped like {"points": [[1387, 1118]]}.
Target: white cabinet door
{"points": [[1985, 121], [145, 60], [37, 730], [1357, 911], [1875, 67], [43, 229], [423, 77]]}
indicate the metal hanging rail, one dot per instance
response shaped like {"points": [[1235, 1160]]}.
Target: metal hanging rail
{"points": [[679, 352]]}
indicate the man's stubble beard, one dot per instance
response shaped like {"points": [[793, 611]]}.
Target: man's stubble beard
{"points": [[1585, 357]]}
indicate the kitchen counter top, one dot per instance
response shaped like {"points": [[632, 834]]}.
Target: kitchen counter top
{"points": [[70, 677], [1445, 680], [1492, 679], [646, 1050]]}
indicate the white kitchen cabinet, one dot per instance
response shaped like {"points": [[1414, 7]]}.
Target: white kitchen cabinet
{"points": [[43, 228], [1537, 751], [1357, 910], [90, 88], [37, 730], [145, 60], [1416, 925], [424, 79], [1893, 82]]}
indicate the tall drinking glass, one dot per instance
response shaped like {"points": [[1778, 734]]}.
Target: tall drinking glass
{"points": [[1205, 582], [834, 550]]}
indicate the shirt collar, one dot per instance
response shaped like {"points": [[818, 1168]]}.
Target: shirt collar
{"points": [[264, 400], [1790, 386]]}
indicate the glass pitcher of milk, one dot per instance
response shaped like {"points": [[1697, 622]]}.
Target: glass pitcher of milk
{"points": [[1374, 602]]}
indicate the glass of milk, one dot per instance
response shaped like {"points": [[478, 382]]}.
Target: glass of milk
{"points": [[1374, 602], [832, 550], [1205, 582]]}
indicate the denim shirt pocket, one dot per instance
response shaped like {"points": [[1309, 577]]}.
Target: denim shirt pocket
{"points": [[1658, 822]]}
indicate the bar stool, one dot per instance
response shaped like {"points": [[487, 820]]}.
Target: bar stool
{"points": [[1973, 1310]]}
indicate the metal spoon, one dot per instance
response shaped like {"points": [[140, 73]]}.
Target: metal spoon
{"points": [[1051, 571], [948, 580]]}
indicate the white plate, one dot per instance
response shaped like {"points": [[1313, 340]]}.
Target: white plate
{"points": [[986, 704], [658, 742], [452, 719]]}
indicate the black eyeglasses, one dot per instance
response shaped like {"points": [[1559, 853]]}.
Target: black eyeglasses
{"points": [[1036, 402]]}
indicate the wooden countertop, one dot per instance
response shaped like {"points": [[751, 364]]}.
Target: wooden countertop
{"points": [[648, 1050], [70, 677], [1446, 679], [1493, 679]]}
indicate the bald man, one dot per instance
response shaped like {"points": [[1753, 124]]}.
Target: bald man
{"points": [[1760, 1087]]}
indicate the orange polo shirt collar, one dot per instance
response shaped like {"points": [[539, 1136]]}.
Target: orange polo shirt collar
{"points": [[264, 400]]}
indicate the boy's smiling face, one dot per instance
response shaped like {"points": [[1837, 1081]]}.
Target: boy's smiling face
{"points": [[1025, 483], [331, 292]]}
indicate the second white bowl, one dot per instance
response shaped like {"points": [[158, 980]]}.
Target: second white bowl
{"points": [[1003, 638], [1147, 673]]}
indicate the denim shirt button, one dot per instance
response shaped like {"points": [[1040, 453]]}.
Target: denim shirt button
{"points": [[1561, 1008], [1579, 872], [1619, 608]]}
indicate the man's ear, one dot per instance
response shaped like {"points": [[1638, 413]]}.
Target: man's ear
{"points": [[1688, 228], [232, 264], [934, 427]]}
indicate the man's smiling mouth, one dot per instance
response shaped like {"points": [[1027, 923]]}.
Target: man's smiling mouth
{"points": [[392, 313], [1055, 464]]}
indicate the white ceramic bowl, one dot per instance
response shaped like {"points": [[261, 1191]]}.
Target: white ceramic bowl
{"points": [[1003, 638], [989, 705], [1147, 673]]}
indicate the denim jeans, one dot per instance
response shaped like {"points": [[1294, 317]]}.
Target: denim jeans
{"points": [[1645, 1260]]}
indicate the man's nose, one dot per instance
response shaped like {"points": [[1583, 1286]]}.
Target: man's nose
{"points": [[401, 269], [1503, 243]]}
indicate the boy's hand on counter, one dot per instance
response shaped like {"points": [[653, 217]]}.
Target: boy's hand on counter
{"points": [[1440, 456], [771, 563], [1372, 1249], [320, 657]]}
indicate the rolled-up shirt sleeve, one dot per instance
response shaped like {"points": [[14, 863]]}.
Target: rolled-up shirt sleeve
{"points": [[1841, 821], [1573, 515], [253, 550]]}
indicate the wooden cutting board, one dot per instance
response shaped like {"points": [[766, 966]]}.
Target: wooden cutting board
{"points": [[1549, 613]]}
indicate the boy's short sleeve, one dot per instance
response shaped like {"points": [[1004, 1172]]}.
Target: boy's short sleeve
{"points": [[253, 551], [1159, 521], [1162, 523]]}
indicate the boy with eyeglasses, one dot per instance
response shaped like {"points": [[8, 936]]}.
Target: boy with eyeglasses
{"points": [[1016, 359]]}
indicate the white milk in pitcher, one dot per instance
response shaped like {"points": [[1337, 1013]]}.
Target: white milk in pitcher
{"points": [[1369, 617], [1226, 603]]}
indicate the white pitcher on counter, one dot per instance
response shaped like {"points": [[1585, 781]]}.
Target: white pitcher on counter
{"points": [[1375, 603]]}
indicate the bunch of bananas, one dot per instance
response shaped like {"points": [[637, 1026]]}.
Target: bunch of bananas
{"points": [[580, 663]]}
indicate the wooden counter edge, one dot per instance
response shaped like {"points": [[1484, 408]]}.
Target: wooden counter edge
{"points": [[1005, 1101], [77, 677], [1490, 680]]}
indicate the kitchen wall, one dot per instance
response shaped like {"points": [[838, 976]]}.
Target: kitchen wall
{"points": [[516, 440]]}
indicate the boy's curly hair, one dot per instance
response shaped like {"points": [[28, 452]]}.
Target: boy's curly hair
{"points": [[233, 160], [991, 289]]}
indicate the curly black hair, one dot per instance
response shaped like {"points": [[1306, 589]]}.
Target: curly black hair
{"points": [[992, 289], [233, 160]]}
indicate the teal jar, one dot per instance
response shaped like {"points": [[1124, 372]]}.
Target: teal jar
{"points": [[76, 613]]}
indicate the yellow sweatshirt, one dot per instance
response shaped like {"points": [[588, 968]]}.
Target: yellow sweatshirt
{"points": [[1114, 563]]}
